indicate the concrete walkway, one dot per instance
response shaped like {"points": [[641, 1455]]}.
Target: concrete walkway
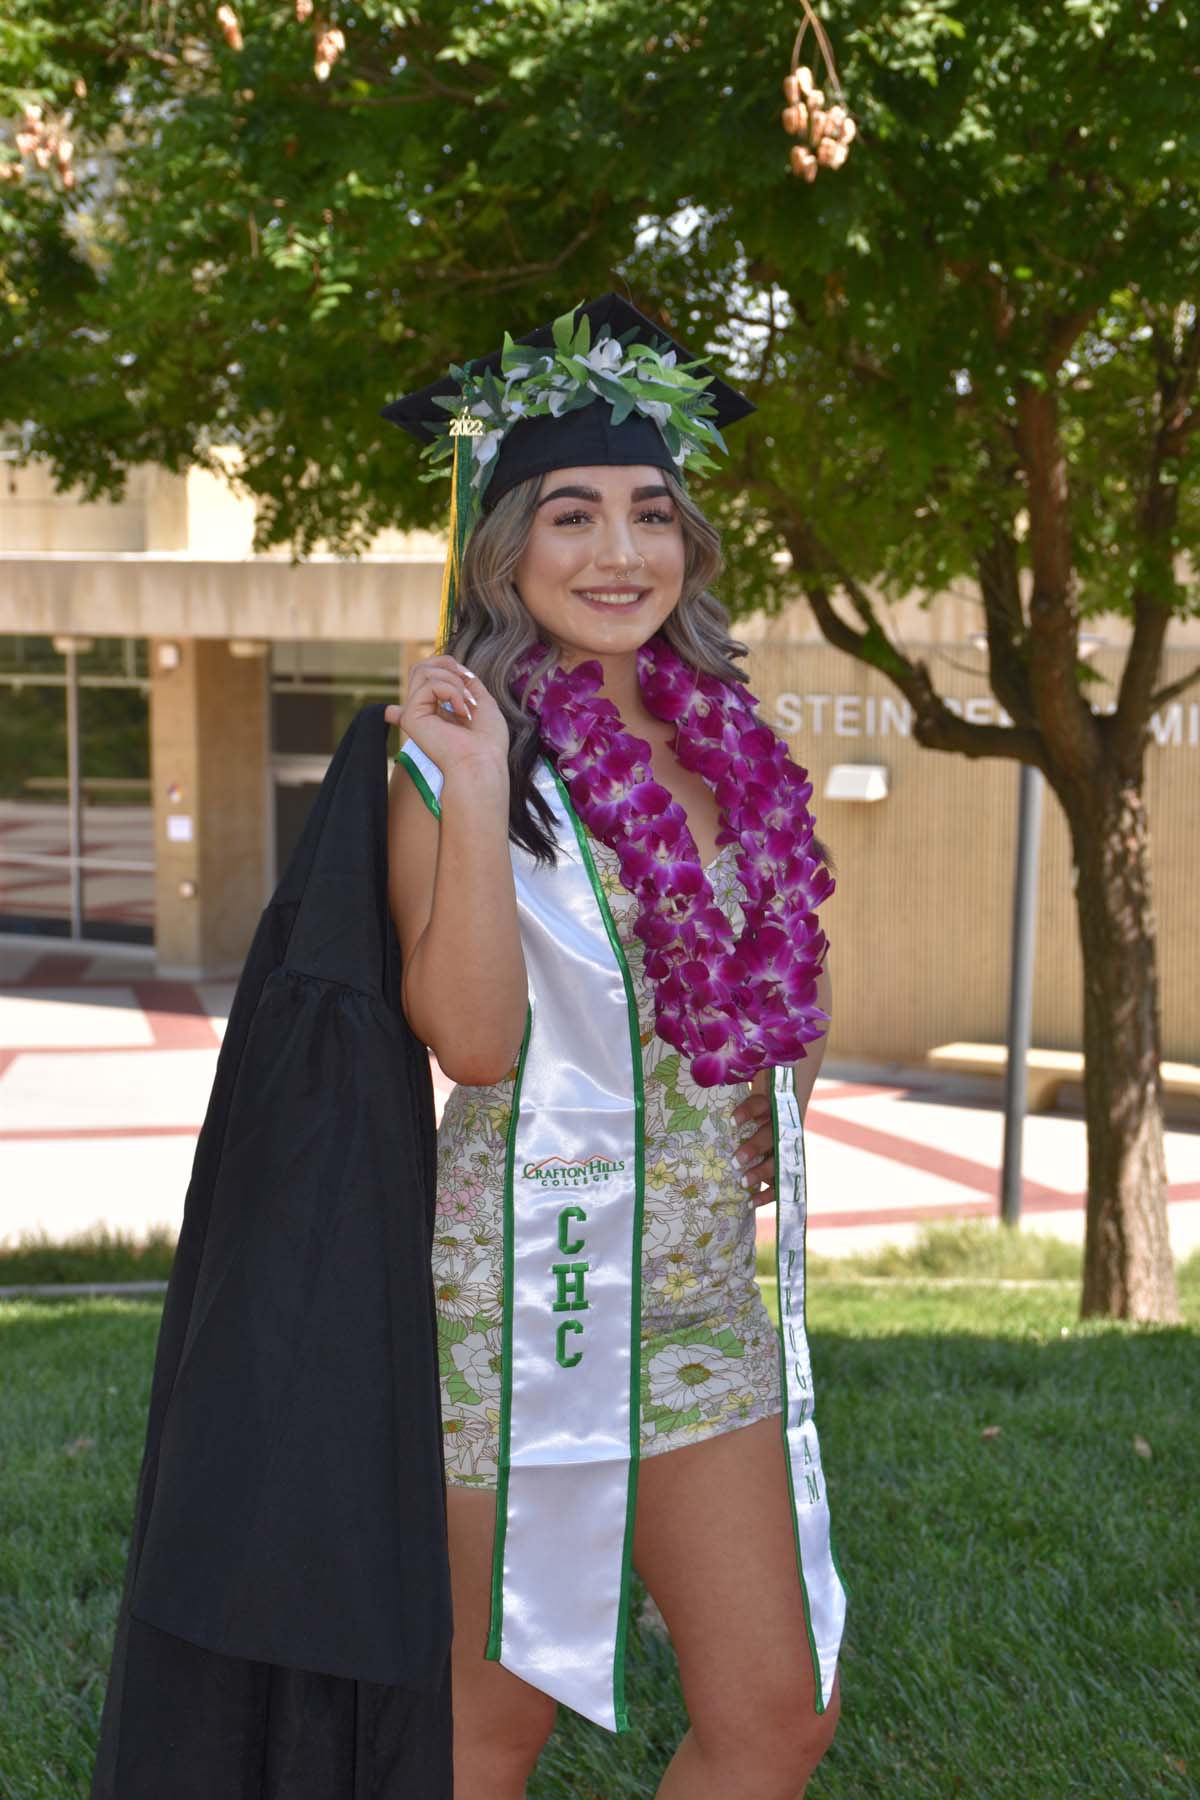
{"points": [[105, 1073]]}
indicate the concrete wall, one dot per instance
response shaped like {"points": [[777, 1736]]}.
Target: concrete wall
{"points": [[208, 738], [919, 924]]}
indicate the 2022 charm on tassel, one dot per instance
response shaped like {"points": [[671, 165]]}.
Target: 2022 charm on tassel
{"points": [[827, 130]]}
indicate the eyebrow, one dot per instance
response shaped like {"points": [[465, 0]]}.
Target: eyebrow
{"points": [[587, 493]]}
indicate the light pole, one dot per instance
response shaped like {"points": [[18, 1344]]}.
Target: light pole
{"points": [[1024, 942], [1020, 988]]}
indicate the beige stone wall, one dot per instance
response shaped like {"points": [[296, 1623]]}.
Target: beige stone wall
{"points": [[208, 733], [919, 925]]}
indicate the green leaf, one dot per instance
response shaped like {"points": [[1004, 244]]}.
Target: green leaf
{"points": [[562, 331], [612, 390], [459, 1389], [685, 1118]]}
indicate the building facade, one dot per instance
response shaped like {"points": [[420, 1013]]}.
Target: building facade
{"points": [[169, 703]]}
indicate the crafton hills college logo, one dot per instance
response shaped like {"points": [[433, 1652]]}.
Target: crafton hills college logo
{"points": [[571, 1171]]}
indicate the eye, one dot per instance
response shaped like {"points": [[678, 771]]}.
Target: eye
{"points": [[655, 514]]}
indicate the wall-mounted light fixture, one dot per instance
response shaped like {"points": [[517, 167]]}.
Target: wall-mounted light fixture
{"points": [[857, 781], [187, 888], [169, 655], [67, 640], [248, 647]]}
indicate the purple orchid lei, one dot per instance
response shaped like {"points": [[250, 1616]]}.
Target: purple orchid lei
{"points": [[732, 1007]]}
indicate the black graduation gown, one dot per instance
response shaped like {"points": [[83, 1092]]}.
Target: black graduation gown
{"points": [[285, 1622]]}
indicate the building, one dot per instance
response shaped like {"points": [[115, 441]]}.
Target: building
{"points": [[169, 703]]}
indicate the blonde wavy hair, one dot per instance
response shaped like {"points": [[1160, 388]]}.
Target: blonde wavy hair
{"points": [[492, 628]]}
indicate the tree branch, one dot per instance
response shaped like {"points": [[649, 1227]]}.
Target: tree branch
{"points": [[1064, 717], [934, 724], [1157, 517], [1004, 619], [1174, 688]]}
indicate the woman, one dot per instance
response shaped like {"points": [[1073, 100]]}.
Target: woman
{"points": [[586, 580]]}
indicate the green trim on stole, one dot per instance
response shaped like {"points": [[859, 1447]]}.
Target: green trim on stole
{"points": [[496, 1624], [790, 1080], [423, 788], [635, 1376]]}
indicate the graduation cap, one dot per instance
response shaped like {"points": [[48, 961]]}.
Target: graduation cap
{"points": [[601, 385]]}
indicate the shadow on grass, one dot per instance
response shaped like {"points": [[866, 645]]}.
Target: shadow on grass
{"points": [[1023, 1619]]}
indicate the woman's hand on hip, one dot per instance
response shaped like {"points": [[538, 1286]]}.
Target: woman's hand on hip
{"points": [[756, 1154]]}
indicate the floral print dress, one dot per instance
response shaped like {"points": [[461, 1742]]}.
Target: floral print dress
{"points": [[710, 1356]]}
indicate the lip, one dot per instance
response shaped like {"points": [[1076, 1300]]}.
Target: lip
{"points": [[635, 597]]}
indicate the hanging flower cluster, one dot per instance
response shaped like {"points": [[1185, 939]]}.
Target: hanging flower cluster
{"points": [[732, 1006], [827, 129], [632, 376], [45, 142]]}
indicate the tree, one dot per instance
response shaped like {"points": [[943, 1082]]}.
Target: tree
{"points": [[975, 348]]}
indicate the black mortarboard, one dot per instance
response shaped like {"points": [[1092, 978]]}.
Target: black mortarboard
{"points": [[579, 437]]}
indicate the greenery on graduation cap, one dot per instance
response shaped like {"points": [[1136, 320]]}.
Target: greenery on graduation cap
{"points": [[632, 375]]}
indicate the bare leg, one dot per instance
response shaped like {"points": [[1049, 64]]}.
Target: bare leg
{"points": [[713, 1543], [500, 1721]]}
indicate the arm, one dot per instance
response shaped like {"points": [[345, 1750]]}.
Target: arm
{"points": [[464, 988]]}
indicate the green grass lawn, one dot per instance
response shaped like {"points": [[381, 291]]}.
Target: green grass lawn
{"points": [[1023, 1620]]}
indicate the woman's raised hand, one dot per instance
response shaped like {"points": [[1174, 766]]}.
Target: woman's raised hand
{"points": [[451, 715]]}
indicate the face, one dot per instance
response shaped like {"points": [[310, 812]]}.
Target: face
{"points": [[604, 563]]}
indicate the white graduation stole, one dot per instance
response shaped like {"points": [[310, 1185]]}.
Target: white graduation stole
{"points": [[571, 1352]]}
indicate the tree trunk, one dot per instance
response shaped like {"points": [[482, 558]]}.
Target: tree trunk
{"points": [[1128, 1270]]}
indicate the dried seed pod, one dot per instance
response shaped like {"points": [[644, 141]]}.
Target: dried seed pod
{"points": [[790, 117], [803, 162], [68, 178], [66, 150], [830, 153], [330, 44], [227, 19], [837, 118], [816, 124], [849, 131], [816, 97], [802, 118], [805, 80], [791, 87]]}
